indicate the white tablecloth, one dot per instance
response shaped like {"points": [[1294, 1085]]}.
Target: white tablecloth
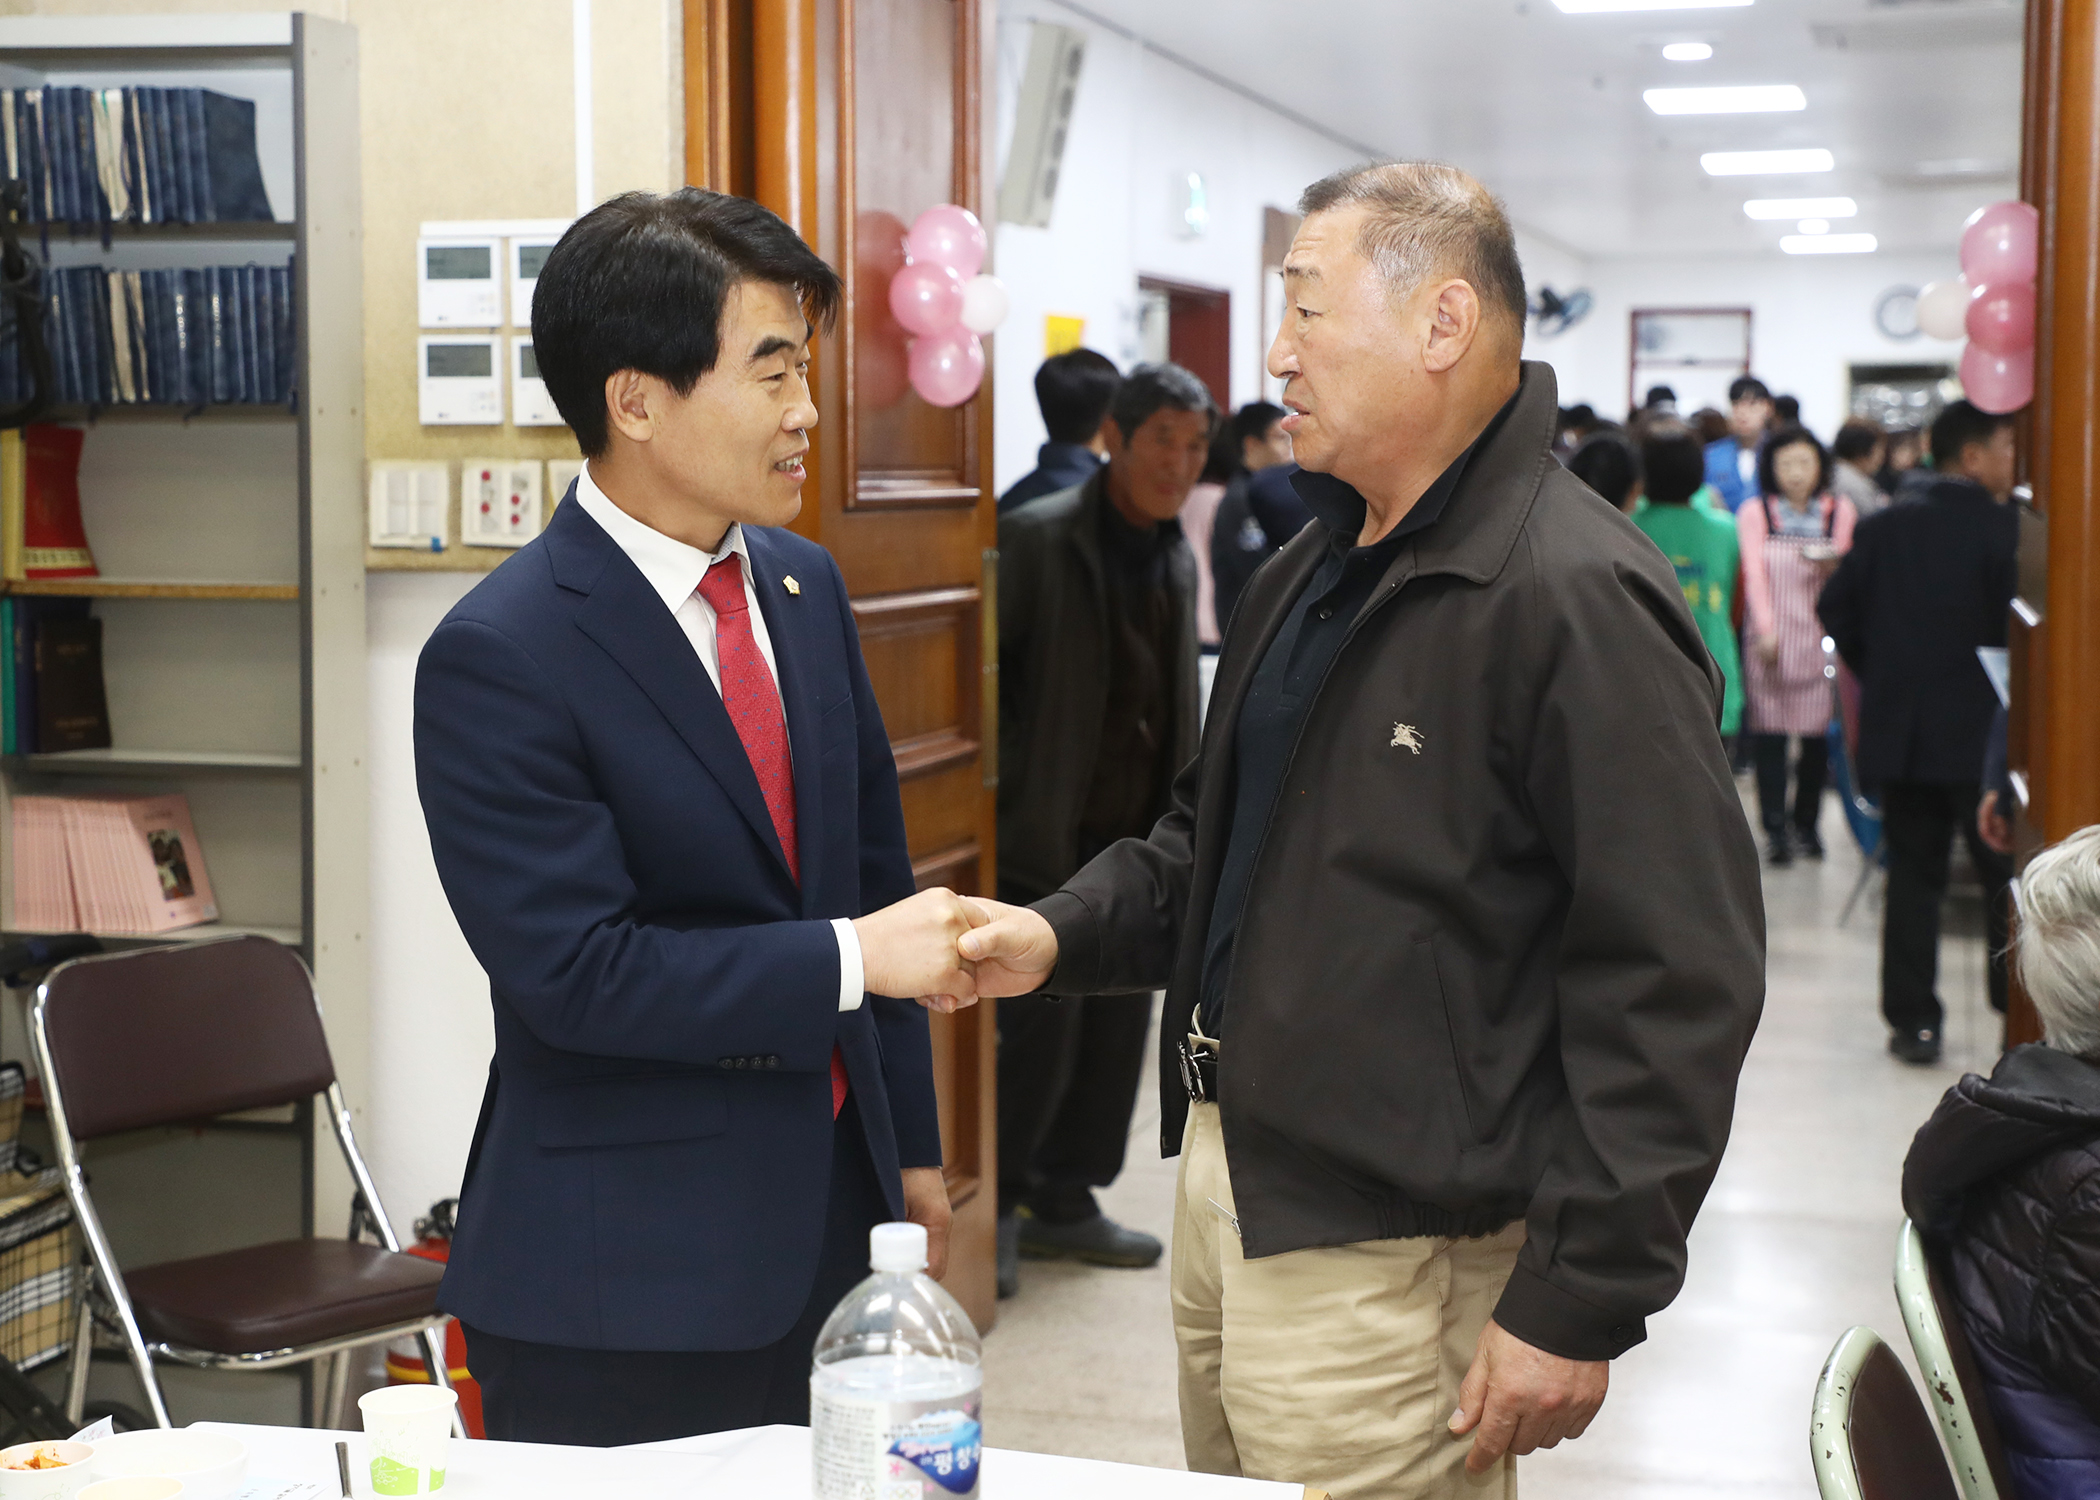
{"points": [[772, 1462]]}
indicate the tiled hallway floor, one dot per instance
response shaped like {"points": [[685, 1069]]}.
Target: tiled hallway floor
{"points": [[1793, 1247]]}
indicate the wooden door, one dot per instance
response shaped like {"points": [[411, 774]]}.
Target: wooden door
{"points": [[1199, 333], [849, 118]]}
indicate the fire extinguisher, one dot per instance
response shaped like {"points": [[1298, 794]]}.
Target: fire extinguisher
{"points": [[404, 1357]]}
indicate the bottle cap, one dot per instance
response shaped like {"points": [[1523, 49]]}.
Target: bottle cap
{"points": [[897, 1248]]}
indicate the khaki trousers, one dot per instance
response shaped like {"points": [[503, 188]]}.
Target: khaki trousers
{"points": [[1336, 1368]]}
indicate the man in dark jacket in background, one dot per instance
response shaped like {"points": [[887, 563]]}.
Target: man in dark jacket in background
{"points": [[1097, 714], [1457, 909], [2004, 1184], [1924, 585], [1073, 391]]}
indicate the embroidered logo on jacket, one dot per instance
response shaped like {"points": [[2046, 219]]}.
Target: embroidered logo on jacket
{"points": [[1407, 737]]}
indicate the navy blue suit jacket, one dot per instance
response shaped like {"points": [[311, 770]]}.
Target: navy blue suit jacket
{"points": [[652, 1163]]}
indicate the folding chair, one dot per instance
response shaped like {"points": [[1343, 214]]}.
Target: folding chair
{"points": [[1868, 1435], [173, 1035], [1953, 1384], [1862, 813]]}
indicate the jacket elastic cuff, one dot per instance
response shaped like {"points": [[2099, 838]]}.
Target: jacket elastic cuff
{"points": [[1546, 1317], [1078, 944]]}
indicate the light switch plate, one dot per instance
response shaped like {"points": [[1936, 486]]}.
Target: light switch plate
{"points": [[561, 473], [499, 501], [407, 504]]}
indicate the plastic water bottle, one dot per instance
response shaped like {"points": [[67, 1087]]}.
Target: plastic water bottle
{"points": [[896, 1387]]}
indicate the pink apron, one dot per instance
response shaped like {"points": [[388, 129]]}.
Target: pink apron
{"points": [[1791, 695]]}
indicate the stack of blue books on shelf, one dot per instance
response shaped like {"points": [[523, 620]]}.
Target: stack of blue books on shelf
{"points": [[202, 336], [133, 155]]}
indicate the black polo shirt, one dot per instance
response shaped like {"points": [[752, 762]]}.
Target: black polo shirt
{"points": [[1289, 678]]}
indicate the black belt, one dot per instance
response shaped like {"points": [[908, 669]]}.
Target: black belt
{"points": [[1199, 1068]]}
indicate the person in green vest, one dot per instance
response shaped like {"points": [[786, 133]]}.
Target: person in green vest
{"points": [[1701, 545]]}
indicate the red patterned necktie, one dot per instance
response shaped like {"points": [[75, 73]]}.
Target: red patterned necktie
{"points": [[753, 701]]}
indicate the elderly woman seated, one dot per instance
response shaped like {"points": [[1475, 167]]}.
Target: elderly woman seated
{"points": [[2004, 1183]]}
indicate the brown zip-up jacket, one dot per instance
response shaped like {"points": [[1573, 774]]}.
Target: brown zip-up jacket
{"points": [[1503, 948]]}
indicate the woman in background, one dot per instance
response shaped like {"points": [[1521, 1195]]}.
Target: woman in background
{"points": [[1791, 538], [1701, 545]]}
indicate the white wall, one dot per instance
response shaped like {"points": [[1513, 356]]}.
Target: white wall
{"points": [[1811, 318], [1139, 122]]}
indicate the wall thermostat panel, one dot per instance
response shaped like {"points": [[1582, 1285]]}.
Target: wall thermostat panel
{"points": [[499, 501], [527, 254], [530, 405], [458, 383], [561, 473], [406, 505], [459, 283]]}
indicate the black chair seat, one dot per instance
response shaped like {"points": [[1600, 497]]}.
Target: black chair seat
{"points": [[280, 1295]]}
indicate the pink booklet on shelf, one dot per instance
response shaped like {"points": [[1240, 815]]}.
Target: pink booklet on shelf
{"points": [[43, 879]]}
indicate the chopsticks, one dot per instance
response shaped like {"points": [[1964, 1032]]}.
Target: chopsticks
{"points": [[342, 1467]]}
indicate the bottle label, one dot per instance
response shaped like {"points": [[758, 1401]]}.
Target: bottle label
{"points": [[895, 1450]]}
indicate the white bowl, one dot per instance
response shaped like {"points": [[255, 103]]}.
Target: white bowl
{"points": [[210, 1465], [46, 1484]]}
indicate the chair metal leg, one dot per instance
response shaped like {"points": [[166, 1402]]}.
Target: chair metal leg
{"points": [[1867, 873], [338, 1390], [434, 1360], [83, 1347], [111, 1277]]}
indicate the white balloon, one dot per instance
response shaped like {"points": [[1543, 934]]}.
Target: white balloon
{"points": [[1943, 309], [985, 304]]}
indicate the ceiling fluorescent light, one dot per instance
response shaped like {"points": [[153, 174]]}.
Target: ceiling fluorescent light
{"points": [[1729, 99], [1687, 52], [1765, 163], [1801, 208], [1598, 7], [1828, 244]]}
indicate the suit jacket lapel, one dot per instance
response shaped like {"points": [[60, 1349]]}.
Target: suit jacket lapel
{"points": [[628, 619], [795, 653]]}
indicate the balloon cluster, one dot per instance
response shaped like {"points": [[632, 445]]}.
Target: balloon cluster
{"points": [[1992, 303], [940, 298]]}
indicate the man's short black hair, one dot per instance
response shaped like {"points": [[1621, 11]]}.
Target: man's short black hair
{"points": [[1608, 464], [1962, 423], [1074, 389], [1787, 437], [1659, 395], [1255, 419], [1673, 460], [1150, 388], [1786, 410], [1856, 439], [640, 283], [1747, 388]]}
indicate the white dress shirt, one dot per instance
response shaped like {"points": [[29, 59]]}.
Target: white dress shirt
{"points": [[674, 570]]}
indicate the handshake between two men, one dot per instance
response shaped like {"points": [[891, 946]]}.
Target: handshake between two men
{"points": [[948, 951]]}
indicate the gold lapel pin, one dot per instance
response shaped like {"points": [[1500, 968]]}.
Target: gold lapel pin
{"points": [[792, 586]]}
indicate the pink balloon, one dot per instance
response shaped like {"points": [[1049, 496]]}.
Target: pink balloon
{"points": [[2001, 317], [926, 299], [2001, 242], [948, 235], [947, 368], [1999, 383]]}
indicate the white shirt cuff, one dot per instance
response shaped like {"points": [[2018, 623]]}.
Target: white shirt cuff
{"points": [[853, 978]]}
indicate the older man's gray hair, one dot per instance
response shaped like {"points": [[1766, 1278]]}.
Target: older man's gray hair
{"points": [[1427, 219], [2058, 949]]}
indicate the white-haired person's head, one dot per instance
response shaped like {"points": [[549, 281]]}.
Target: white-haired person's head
{"points": [[2058, 947]]}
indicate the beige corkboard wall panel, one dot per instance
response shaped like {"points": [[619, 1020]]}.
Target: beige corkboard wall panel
{"points": [[468, 112]]}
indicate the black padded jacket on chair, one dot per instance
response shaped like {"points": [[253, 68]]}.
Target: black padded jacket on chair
{"points": [[2004, 1183]]}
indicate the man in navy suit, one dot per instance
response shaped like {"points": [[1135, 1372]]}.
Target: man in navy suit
{"points": [[664, 809]]}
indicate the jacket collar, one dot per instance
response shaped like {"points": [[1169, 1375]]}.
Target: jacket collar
{"points": [[623, 613], [2036, 1100], [1958, 489]]}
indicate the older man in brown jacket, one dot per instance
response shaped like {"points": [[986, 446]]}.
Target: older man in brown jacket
{"points": [[1457, 909]]}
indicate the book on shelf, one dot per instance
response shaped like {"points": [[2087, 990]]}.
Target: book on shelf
{"points": [[133, 155], [72, 707], [108, 864], [185, 336], [41, 533], [29, 617]]}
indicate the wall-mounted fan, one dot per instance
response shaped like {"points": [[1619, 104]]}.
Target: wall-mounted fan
{"points": [[1556, 314]]}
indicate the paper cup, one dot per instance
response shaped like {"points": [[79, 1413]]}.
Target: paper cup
{"points": [[46, 1484], [406, 1428], [139, 1487]]}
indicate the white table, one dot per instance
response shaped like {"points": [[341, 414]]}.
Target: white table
{"points": [[769, 1462]]}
